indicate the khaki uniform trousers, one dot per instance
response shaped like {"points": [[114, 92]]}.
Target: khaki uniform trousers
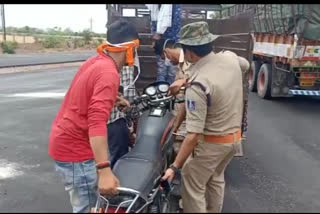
{"points": [[203, 181]]}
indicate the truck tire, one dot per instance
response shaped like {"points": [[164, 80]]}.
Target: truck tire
{"points": [[264, 81], [253, 75]]}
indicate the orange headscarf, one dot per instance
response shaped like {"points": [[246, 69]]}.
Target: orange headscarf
{"points": [[127, 46]]}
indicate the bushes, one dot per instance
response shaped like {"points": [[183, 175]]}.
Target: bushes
{"points": [[78, 43], [100, 41], [52, 42], [87, 36], [9, 47]]}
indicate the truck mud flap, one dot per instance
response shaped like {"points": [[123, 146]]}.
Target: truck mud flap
{"points": [[282, 81]]}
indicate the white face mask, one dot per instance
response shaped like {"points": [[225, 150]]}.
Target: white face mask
{"points": [[184, 59], [137, 64], [136, 59], [181, 56], [167, 61]]}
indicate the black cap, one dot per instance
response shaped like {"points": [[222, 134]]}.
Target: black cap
{"points": [[121, 31]]}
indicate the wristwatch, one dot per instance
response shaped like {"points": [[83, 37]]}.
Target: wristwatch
{"points": [[175, 169]]}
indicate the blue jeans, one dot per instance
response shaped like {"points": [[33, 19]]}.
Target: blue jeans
{"points": [[80, 181], [118, 140], [166, 72]]}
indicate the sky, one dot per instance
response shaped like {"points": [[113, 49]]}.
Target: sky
{"points": [[75, 16]]}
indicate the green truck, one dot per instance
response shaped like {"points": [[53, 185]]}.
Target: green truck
{"points": [[286, 49]]}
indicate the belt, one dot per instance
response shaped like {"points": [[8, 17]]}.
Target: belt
{"points": [[229, 138]]}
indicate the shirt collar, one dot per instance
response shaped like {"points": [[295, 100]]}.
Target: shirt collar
{"points": [[202, 61]]}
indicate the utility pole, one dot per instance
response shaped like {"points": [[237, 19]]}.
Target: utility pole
{"points": [[3, 22], [91, 20]]}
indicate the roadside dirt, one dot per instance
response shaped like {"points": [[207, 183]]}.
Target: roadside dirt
{"points": [[38, 67], [38, 48]]}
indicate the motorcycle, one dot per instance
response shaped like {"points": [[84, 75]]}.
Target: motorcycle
{"points": [[141, 169]]}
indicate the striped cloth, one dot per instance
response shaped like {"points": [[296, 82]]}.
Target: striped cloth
{"points": [[304, 92], [126, 79]]}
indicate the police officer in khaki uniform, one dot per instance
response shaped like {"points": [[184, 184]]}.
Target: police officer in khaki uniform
{"points": [[214, 105], [174, 54]]}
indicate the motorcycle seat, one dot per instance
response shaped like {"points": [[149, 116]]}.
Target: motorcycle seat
{"points": [[139, 168], [137, 174], [147, 148]]}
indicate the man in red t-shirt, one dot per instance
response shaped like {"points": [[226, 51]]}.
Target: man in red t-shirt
{"points": [[78, 137]]}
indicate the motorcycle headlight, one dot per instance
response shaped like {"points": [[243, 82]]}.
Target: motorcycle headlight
{"points": [[163, 88], [151, 91]]}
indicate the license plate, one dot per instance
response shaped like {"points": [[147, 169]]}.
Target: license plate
{"points": [[306, 82]]}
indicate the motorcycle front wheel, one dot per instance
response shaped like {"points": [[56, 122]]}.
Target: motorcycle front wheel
{"points": [[160, 204]]}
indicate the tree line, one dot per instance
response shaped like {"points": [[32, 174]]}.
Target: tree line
{"points": [[52, 31]]}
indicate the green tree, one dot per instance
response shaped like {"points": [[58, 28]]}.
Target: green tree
{"points": [[68, 32], [27, 29], [87, 36]]}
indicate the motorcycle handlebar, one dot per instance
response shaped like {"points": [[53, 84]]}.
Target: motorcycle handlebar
{"points": [[161, 99], [145, 97], [124, 189], [139, 99]]}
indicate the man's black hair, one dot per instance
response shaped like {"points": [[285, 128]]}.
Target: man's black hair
{"points": [[170, 44], [199, 50], [159, 45], [121, 31]]}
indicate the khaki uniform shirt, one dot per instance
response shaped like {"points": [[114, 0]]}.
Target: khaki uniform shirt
{"points": [[221, 76]]}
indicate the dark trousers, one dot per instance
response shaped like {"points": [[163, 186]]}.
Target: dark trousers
{"points": [[118, 140]]}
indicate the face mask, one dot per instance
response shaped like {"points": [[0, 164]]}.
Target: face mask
{"points": [[136, 60], [167, 61], [137, 64], [184, 59], [181, 56]]}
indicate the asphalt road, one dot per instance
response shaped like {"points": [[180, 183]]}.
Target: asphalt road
{"points": [[26, 59], [279, 173]]}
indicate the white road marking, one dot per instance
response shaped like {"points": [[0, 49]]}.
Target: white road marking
{"points": [[9, 170], [39, 95]]}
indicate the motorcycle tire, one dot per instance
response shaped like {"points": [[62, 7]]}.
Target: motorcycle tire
{"points": [[165, 206], [154, 209], [171, 156]]}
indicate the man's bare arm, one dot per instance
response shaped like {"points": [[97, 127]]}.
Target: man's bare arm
{"points": [[107, 182], [181, 116], [186, 149], [99, 147]]}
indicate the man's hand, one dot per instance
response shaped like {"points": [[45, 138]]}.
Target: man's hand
{"points": [[156, 36], [173, 55], [108, 183], [122, 103], [169, 175], [176, 86]]}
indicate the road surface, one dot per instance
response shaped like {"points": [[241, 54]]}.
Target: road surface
{"points": [[26, 59], [279, 173]]}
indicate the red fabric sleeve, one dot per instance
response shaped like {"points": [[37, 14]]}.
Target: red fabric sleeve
{"points": [[105, 91]]}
